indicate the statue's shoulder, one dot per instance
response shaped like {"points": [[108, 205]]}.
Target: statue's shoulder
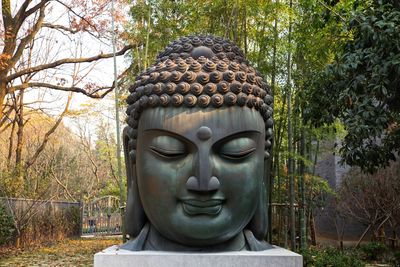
{"points": [[254, 244], [138, 242]]}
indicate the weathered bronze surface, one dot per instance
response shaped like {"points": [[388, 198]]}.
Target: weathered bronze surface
{"points": [[199, 132]]}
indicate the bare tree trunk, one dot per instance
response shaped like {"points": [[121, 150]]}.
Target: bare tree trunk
{"points": [[20, 133], [290, 140], [11, 144], [363, 235], [19, 174], [147, 39], [245, 27], [302, 209], [312, 229], [3, 91], [273, 165]]}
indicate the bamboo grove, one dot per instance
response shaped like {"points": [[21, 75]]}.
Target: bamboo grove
{"points": [[292, 42], [287, 41]]}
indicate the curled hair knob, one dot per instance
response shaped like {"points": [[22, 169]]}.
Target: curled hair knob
{"points": [[204, 100], [223, 87], [236, 87], [217, 100], [170, 88], [241, 99], [190, 100], [196, 88], [164, 100], [229, 76], [215, 76], [210, 88], [154, 100], [158, 88], [177, 100], [203, 78], [183, 88], [230, 99]]}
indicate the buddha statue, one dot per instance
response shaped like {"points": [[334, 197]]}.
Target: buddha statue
{"points": [[198, 137]]}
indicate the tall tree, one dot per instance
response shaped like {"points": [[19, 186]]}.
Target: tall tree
{"points": [[290, 139], [361, 88]]}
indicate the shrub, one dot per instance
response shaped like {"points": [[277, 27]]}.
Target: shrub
{"points": [[316, 257], [72, 216], [6, 225], [393, 258], [373, 250], [49, 224], [396, 258]]}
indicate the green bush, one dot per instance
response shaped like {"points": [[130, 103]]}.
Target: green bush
{"points": [[6, 225], [373, 250], [317, 257]]}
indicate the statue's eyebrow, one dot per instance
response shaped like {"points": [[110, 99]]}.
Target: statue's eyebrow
{"points": [[170, 133], [237, 135]]}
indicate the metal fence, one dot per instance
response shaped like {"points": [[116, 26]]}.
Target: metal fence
{"points": [[102, 217]]}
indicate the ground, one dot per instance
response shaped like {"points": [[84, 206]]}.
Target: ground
{"points": [[72, 252]]}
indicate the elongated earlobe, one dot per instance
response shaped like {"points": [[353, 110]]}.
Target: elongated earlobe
{"points": [[135, 217], [259, 223]]}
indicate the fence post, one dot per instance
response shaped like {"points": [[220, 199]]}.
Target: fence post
{"points": [[81, 218]]}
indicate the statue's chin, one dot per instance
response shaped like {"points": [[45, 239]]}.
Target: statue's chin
{"points": [[157, 241]]}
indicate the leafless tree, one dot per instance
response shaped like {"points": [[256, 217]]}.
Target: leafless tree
{"points": [[33, 55], [372, 200]]}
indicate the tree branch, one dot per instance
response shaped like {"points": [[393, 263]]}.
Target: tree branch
{"points": [[74, 89], [76, 14], [63, 186], [59, 27], [28, 38], [22, 10], [32, 160], [66, 61], [35, 8], [6, 13], [5, 118]]}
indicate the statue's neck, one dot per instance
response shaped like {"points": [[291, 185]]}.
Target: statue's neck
{"points": [[155, 241]]}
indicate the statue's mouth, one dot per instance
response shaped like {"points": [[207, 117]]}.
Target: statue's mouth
{"points": [[197, 207]]}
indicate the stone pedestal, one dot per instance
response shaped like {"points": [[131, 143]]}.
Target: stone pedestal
{"points": [[276, 257]]}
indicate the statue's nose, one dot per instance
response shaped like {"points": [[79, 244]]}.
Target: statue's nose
{"points": [[203, 179], [195, 185]]}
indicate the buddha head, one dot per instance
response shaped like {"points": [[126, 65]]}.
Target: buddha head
{"points": [[198, 137]]}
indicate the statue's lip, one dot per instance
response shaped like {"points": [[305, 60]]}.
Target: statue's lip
{"points": [[202, 207], [202, 203]]}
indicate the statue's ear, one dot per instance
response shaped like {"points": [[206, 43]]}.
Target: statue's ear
{"points": [[259, 223], [135, 217]]}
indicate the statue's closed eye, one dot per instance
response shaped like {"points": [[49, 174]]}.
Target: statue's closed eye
{"points": [[167, 153], [167, 146], [238, 148]]}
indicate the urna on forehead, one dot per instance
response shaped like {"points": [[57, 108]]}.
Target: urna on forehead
{"points": [[204, 72]]}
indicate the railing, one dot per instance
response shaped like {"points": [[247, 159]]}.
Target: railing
{"points": [[102, 217]]}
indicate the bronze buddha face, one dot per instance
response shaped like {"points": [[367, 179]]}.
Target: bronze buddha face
{"points": [[195, 151], [200, 171]]}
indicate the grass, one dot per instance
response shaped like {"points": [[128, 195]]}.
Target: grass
{"points": [[71, 252]]}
